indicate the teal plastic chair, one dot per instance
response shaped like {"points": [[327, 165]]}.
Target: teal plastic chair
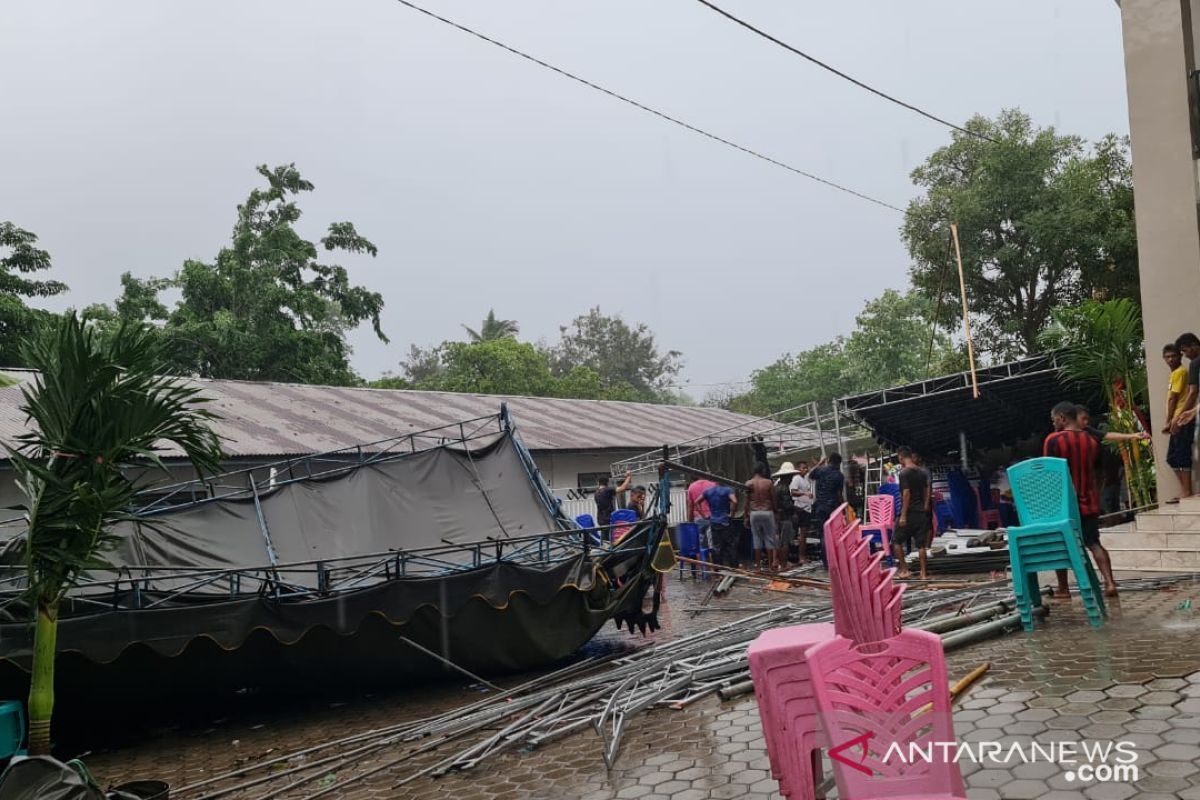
{"points": [[12, 728], [1049, 537]]}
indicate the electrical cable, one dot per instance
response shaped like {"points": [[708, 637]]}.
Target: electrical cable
{"points": [[841, 74], [648, 109]]}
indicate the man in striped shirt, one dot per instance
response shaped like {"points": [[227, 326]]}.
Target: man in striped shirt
{"points": [[1081, 450]]}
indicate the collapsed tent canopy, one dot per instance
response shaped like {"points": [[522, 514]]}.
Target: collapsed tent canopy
{"points": [[1014, 403]]}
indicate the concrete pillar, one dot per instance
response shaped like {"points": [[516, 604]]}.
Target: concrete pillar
{"points": [[1159, 44]]}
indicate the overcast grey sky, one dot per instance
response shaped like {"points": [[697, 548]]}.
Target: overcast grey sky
{"points": [[131, 130]]}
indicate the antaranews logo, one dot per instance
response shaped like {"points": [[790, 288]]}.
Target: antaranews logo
{"points": [[1087, 761]]}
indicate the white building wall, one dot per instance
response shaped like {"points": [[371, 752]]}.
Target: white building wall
{"points": [[562, 469]]}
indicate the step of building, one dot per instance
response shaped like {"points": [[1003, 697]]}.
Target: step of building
{"points": [[1172, 519], [1167, 540]]}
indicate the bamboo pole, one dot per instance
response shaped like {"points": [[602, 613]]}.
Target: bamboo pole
{"points": [[962, 288], [970, 678]]}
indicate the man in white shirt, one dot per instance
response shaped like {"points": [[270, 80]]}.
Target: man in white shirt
{"points": [[802, 496]]}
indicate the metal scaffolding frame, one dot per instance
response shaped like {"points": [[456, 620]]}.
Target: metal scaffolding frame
{"points": [[801, 427]]}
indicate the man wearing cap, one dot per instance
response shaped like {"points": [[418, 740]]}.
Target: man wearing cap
{"points": [[785, 509]]}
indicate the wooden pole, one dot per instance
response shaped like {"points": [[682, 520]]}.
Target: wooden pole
{"points": [[962, 287]]}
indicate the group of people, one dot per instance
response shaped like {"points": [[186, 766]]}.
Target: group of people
{"points": [[1075, 440], [778, 509], [606, 499], [1182, 396]]}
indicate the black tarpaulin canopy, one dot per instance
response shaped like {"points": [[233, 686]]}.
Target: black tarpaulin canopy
{"points": [[1014, 403]]}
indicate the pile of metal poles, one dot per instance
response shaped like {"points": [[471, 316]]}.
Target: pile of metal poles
{"points": [[601, 694]]}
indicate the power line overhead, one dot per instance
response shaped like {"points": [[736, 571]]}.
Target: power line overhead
{"points": [[840, 74], [648, 109]]}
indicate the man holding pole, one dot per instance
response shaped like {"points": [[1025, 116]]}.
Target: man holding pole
{"points": [[1081, 450]]}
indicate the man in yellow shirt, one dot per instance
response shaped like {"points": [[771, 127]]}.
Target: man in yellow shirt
{"points": [[1179, 449]]}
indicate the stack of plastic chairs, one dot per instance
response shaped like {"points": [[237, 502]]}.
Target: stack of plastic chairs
{"points": [[867, 606], [690, 546], [881, 523], [892, 490], [1049, 537], [866, 600], [889, 693], [787, 705]]}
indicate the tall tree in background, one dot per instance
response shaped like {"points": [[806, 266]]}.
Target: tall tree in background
{"points": [[495, 366], [626, 358], [19, 322], [101, 411], [266, 308], [893, 342], [1043, 220], [493, 328]]}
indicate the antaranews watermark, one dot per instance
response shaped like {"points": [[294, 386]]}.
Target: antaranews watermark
{"points": [[1086, 761]]}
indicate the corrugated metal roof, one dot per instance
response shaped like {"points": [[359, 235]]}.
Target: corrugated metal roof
{"points": [[278, 419]]}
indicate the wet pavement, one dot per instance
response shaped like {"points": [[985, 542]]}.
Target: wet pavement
{"points": [[1135, 680]]}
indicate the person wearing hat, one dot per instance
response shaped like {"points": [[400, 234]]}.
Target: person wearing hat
{"points": [[785, 509], [802, 496]]}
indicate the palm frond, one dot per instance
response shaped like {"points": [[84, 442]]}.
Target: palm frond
{"points": [[98, 407]]}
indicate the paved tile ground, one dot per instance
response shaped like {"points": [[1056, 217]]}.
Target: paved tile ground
{"points": [[1137, 679]]}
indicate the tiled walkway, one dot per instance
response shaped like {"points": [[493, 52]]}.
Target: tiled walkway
{"points": [[1137, 679]]}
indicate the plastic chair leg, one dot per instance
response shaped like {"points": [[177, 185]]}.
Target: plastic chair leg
{"points": [[1089, 590]]}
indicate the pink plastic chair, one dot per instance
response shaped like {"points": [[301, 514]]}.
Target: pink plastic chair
{"points": [[866, 600], [881, 522], [786, 705], [867, 606], [890, 692], [988, 517]]}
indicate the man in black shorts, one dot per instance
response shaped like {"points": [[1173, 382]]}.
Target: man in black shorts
{"points": [[1081, 451], [1185, 410], [916, 521]]}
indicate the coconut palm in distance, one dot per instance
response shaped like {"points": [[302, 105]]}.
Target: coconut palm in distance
{"points": [[98, 408], [493, 329]]}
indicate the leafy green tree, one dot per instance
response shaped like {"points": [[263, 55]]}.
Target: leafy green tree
{"points": [[1043, 221], [493, 328], [894, 342], [626, 358], [267, 308], [819, 374], [19, 322], [101, 411], [496, 366]]}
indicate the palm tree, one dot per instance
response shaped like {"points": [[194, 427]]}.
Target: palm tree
{"points": [[493, 329], [99, 408]]}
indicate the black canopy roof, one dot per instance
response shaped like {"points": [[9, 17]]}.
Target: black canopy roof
{"points": [[1014, 403]]}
